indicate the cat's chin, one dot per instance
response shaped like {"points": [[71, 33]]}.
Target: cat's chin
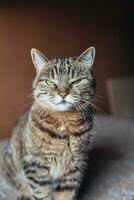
{"points": [[62, 107]]}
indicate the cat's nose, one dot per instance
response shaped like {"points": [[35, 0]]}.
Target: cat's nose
{"points": [[63, 94]]}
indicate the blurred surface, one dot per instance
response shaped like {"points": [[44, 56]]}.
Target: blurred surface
{"points": [[60, 29]]}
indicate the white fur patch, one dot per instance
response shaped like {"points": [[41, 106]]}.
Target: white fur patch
{"points": [[55, 170], [63, 106], [57, 103], [61, 129]]}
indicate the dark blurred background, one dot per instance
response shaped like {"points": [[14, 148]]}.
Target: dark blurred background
{"points": [[61, 28]]}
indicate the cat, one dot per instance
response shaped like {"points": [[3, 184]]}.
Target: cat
{"points": [[47, 153]]}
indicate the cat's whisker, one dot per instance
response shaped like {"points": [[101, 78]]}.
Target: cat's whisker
{"points": [[95, 119], [99, 96], [98, 101], [97, 123], [27, 104], [36, 115], [39, 113], [85, 108], [79, 109], [30, 96], [99, 110], [76, 100], [51, 100]]}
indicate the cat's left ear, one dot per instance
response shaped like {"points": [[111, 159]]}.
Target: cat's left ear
{"points": [[87, 58], [39, 60]]}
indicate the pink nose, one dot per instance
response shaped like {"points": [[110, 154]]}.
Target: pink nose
{"points": [[63, 94]]}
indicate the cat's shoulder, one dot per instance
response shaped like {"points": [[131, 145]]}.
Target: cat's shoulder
{"points": [[21, 122]]}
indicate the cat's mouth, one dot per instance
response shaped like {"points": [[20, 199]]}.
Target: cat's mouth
{"points": [[63, 102]]}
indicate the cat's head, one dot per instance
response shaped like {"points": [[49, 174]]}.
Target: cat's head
{"points": [[63, 83]]}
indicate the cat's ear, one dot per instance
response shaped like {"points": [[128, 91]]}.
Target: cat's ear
{"points": [[87, 58], [39, 60]]}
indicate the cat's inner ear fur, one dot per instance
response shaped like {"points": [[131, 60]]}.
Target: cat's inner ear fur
{"points": [[39, 60], [87, 58]]}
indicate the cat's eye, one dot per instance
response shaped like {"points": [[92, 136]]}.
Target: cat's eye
{"points": [[48, 82], [76, 81]]}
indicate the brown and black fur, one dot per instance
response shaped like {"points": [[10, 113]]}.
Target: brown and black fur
{"points": [[48, 149]]}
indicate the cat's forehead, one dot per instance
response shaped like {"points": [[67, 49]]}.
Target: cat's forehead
{"points": [[61, 62], [60, 65], [62, 68]]}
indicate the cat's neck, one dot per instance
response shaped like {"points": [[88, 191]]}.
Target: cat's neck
{"points": [[61, 123], [47, 113]]}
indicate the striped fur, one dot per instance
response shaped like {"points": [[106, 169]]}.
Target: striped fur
{"points": [[48, 148]]}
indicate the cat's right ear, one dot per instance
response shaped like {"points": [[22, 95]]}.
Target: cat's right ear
{"points": [[39, 60]]}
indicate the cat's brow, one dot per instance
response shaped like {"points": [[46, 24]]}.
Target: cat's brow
{"points": [[44, 79], [78, 78]]}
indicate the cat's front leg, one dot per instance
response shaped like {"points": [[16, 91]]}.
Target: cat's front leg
{"points": [[39, 182], [42, 193], [65, 195], [68, 186]]}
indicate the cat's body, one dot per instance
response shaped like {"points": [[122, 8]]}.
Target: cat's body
{"points": [[48, 148]]}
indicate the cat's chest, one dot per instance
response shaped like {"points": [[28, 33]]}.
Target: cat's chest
{"points": [[64, 125], [67, 155], [60, 164], [59, 156], [57, 124], [54, 143], [62, 149]]}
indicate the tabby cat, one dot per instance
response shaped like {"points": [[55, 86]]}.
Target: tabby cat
{"points": [[47, 152]]}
